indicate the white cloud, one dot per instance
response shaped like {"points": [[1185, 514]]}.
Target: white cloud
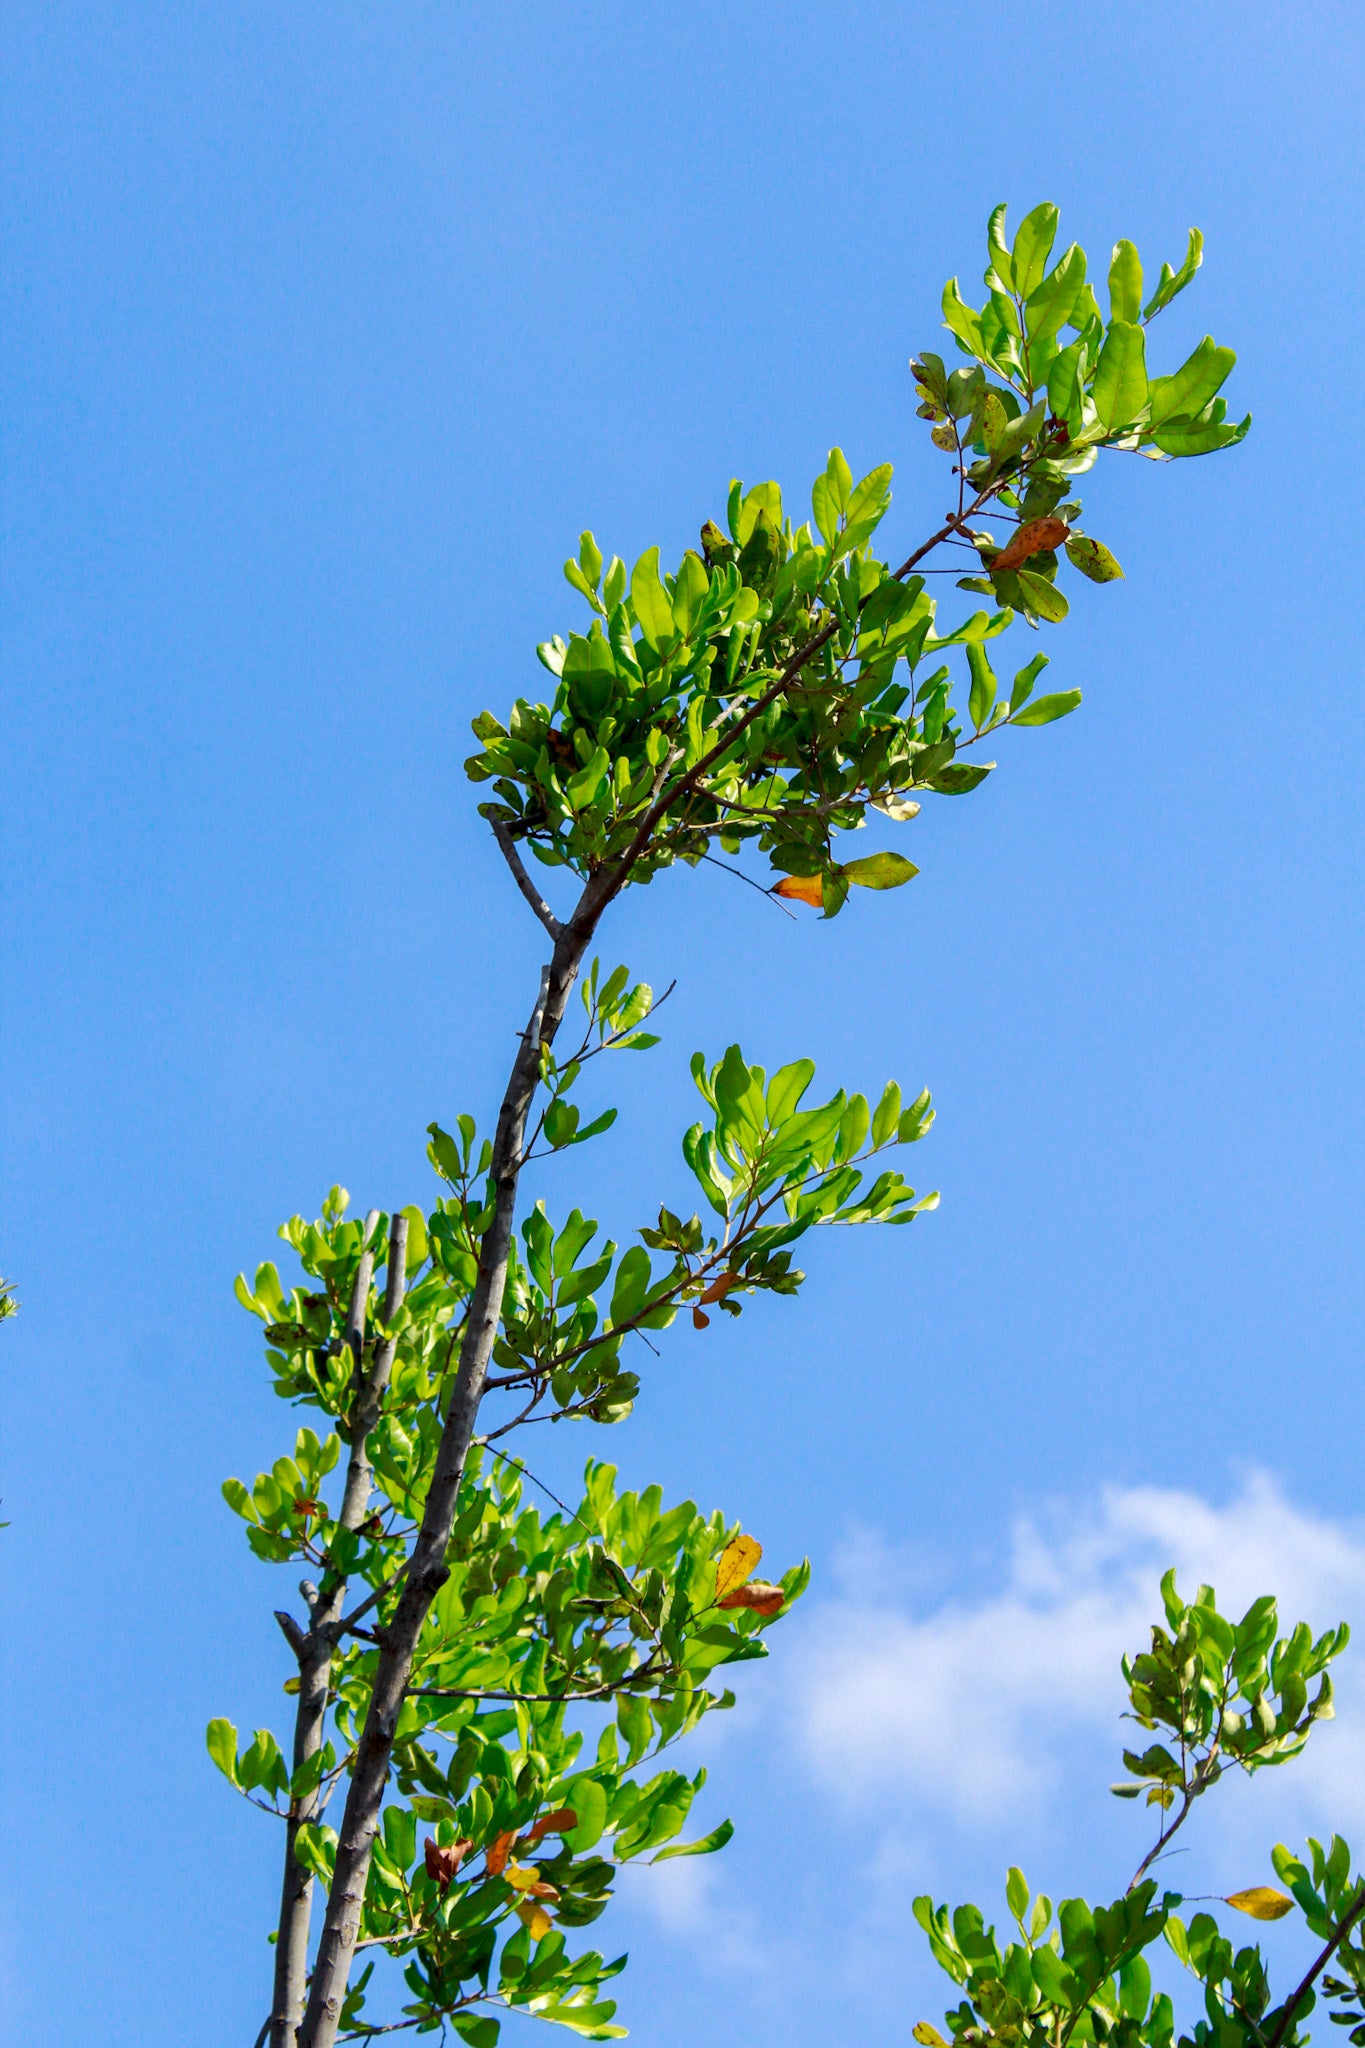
{"points": [[975, 1710]]}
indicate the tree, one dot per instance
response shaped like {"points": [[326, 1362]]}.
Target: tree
{"points": [[1227, 1695], [780, 685]]}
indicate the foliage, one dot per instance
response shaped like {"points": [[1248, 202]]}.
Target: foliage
{"points": [[1228, 1694], [782, 685]]}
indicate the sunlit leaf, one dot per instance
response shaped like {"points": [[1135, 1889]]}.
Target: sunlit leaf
{"points": [[801, 889], [737, 1561], [1262, 1902], [881, 871], [759, 1596]]}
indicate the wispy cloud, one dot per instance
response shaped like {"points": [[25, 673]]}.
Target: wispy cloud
{"points": [[972, 1709]]}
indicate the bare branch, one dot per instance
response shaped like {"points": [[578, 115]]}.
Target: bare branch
{"points": [[1320, 1962], [523, 880], [293, 1634]]}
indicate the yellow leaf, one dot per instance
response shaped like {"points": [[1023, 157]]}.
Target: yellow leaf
{"points": [[737, 1560], [535, 1918], [927, 2036], [1263, 1902], [523, 1877]]}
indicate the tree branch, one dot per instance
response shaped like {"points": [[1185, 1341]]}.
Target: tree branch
{"points": [[427, 1570], [315, 1649], [523, 880], [1292, 2004]]}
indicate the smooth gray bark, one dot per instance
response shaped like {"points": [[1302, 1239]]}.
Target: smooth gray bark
{"points": [[315, 1648]]}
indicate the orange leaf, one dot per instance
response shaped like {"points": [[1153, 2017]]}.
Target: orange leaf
{"points": [[699, 1321], [562, 1822], [737, 1561], [802, 889], [759, 1595], [1034, 538], [498, 1851], [535, 1918], [719, 1288]]}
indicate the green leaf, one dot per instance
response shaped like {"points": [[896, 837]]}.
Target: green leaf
{"points": [[961, 321], [1042, 597], [690, 586], [653, 607], [1065, 394], [590, 558], [1017, 1893], [1191, 437], [1172, 281], [240, 1501], [480, 2030], [589, 1802], [1024, 681], [1120, 387], [1032, 246], [1092, 558], [1200, 378], [867, 504], [708, 1844], [582, 788], [960, 777], [887, 1114], [1125, 283], [1001, 261], [825, 510], [1053, 303], [786, 1089], [880, 871], [222, 1746], [1043, 710], [982, 699]]}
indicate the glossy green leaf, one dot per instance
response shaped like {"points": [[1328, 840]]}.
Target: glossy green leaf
{"points": [[1119, 391], [1033, 241], [1043, 710], [1200, 377], [706, 1846], [222, 1747], [653, 607], [1125, 283]]}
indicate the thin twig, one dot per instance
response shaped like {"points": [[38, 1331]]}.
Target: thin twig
{"points": [[523, 880], [740, 875]]}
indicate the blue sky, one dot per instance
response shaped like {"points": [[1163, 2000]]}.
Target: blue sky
{"points": [[325, 332]]}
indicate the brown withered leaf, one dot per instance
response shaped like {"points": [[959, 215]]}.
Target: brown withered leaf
{"points": [[699, 1321], [737, 1562], [759, 1595], [1033, 538], [498, 1851], [802, 889], [443, 1864], [562, 1821], [719, 1288]]}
